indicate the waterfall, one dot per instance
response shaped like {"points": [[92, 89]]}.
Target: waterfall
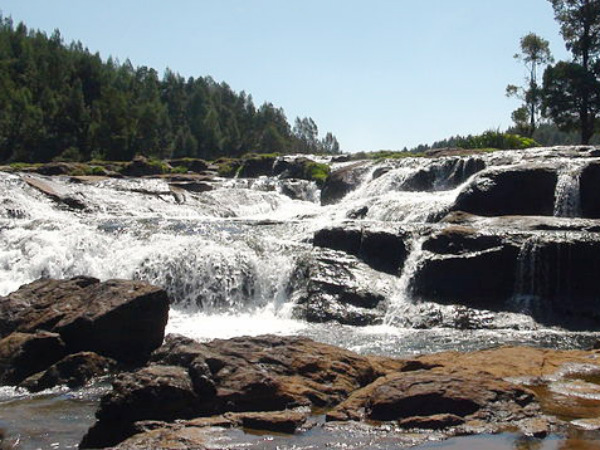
{"points": [[531, 281], [401, 300], [567, 201]]}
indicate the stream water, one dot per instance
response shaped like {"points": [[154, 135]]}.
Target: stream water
{"points": [[226, 258]]}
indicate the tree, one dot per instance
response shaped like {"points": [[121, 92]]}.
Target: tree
{"points": [[570, 88], [535, 52]]}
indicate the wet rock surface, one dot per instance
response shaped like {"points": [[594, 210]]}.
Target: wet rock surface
{"points": [[333, 286], [521, 190], [192, 391], [342, 181]]}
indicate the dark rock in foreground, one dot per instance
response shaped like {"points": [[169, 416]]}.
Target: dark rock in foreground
{"points": [[121, 319], [192, 390], [267, 373]]}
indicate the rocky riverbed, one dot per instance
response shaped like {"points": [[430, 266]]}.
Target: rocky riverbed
{"points": [[313, 309]]}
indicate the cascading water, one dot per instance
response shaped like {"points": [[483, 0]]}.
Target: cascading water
{"points": [[229, 257], [567, 201]]}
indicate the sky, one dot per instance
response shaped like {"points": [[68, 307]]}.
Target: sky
{"points": [[378, 74]]}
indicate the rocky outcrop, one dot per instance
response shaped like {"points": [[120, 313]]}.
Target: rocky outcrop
{"points": [[523, 190], [467, 267], [342, 181], [256, 382], [120, 319], [332, 286], [265, 373], [382, 250]]}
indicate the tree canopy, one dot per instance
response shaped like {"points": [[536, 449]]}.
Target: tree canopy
{"points": [[571, 88], [60, 101]]}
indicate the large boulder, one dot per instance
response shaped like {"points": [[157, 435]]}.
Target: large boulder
{"points": [[467, 267], [342, 181], [523, 190], [121, 319]]}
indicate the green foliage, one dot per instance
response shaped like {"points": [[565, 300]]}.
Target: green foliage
{"points": [[61, 102], [571, 89], [228, 167], [535, 52], [315, 171]]}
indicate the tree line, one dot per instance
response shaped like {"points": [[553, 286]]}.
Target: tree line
{"points": [[569, 93], [62, 102]]}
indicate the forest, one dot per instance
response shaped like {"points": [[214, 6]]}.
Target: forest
{"points": [[62, 102]]}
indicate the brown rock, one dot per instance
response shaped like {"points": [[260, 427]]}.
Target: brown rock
{"points": [[24, 354], [280, 422], [434, 422], [121, 319], [73, 371]]}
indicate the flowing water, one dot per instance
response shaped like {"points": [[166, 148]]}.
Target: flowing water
{"points": [[227, 258]]}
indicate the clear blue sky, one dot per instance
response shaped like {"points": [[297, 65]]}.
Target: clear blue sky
{"points": [[379, 74]]}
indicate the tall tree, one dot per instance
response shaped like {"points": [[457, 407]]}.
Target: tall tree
{"points": [[570, 89], [535, 53]]}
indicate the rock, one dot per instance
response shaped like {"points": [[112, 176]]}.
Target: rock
{"points": [[55, 168], [523, 190], [192, 186], [121, 319], [331, 286], [279, 422], [468, 268], [433, 422], [342, 181], [250, 374], [53, 191], [24, 354], [191, 164], [151, 393], [425, 394], [73, 371], [444, 174], [256, 166], [171, 438], [382, 250], [589, 185], [141, 166], [522, 223], [291, 168]]}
